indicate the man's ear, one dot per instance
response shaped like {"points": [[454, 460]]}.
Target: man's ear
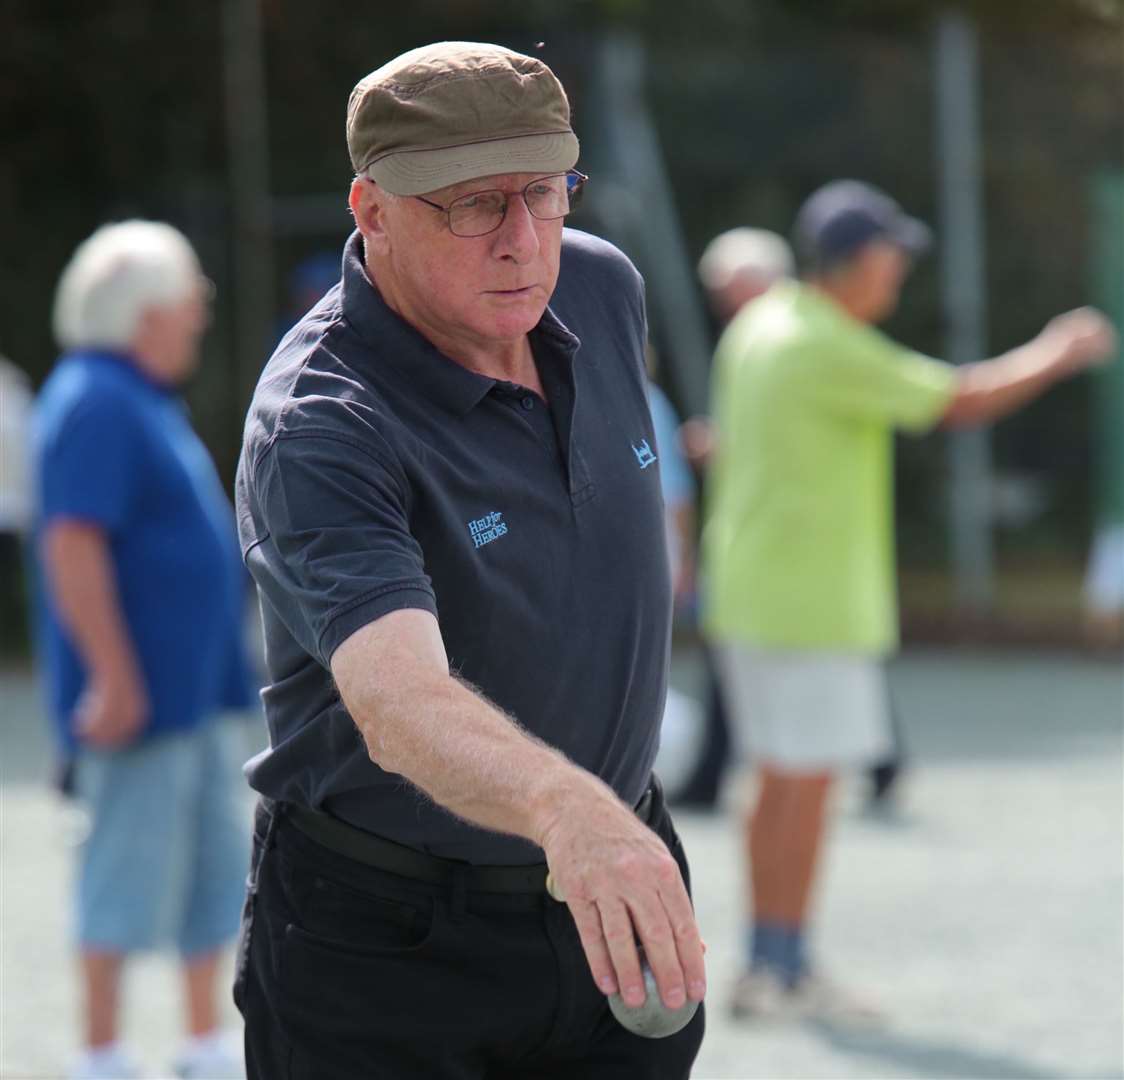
{"points": [[368, 205]]}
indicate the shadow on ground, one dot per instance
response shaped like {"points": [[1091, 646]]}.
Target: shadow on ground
{"points": [[929, 1058]]}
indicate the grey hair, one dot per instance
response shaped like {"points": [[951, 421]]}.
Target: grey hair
{"points": [[751, 252], [115, 276]]}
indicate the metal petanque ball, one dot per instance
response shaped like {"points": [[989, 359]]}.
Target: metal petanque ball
{"points": [[653, 1019]]}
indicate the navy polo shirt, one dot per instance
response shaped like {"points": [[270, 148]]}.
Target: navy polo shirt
{"points": [[377, 474]]}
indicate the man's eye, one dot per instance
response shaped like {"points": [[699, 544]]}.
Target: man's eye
{"points": [[482, 200]]}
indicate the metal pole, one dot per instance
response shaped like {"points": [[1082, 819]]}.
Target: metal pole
{"points": [[1108, 384], [965, 300], [248, 157], [647, 216]]}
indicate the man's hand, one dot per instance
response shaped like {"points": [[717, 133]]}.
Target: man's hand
{"points": [[623, 885], [112, 711], [698, 440], [83, 582], [1082, 338]]}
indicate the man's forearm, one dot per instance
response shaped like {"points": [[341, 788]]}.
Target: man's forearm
{"points": [[990, 390], [83, 588], [1068, 344], [463, 752]]}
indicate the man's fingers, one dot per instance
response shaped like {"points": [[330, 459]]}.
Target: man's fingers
{"points": [[621, 941], [592, 937], [670, 936], [99, 728], [662, 954], [688, 941]]}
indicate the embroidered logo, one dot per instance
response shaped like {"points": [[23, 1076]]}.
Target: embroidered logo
{"points": [[645, 455], [486, 529]]}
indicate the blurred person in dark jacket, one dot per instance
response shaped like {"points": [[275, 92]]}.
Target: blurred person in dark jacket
{"points": [[736, 267]]}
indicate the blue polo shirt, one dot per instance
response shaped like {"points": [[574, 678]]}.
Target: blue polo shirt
{"points": [[115, 449], [378, 474]]}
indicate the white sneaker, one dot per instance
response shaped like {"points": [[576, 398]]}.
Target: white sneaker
{"points": [[105, 1063], [212, 1057], [759, 995], [817, 998]]}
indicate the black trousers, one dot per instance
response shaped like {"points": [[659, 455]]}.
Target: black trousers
{"points": [[347, 972]]}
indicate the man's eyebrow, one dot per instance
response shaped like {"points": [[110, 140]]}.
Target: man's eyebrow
{"points": [[470, 187]]}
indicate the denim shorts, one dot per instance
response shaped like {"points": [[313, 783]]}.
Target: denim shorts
{"points": [[164, 861]]}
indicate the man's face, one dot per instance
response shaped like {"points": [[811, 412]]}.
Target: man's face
{"points": [[168, 337], [742, 288], [476, 290], [879, 271]]}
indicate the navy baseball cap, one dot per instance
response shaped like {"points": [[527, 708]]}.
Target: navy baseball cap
{"points": [[845, 215]]}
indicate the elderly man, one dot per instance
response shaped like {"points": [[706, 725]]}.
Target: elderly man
{"points": [[799, 541], [139, 631], [739, 265], [736, 267], [446, 496]]}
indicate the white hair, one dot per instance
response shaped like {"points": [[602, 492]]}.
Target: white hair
{"points": [[117, 274], [754, 253]]}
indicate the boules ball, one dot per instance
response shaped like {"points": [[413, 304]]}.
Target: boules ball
{"points": [[653, 1019]]}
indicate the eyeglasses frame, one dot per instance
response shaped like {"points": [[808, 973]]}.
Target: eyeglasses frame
{"points": [[572, 191]]}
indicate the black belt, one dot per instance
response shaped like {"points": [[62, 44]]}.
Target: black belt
{"points": [[383, 854]]}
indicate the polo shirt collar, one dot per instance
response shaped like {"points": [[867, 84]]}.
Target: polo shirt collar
{"points": [[814, 302], [419, 361]]}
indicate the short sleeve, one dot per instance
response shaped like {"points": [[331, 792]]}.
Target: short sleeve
{"points": [[867, 375], [675, 477], [334, 549], [88, 465]]}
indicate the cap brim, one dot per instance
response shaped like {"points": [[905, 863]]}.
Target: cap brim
{"points": [[912, 235], [417, 172]]}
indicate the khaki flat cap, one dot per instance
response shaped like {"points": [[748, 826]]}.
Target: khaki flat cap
{"points": [[454, 111]]}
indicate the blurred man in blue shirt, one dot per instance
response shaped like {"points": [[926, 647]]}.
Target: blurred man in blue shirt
{"points": [[139, 630]]}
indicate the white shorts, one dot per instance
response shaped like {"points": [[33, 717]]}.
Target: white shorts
{"points": [[807, 711]]}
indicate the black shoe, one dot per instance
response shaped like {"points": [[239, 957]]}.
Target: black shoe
{"points": [[883, 778]]}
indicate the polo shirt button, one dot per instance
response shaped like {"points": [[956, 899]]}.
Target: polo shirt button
{"points": [[528, 403]]}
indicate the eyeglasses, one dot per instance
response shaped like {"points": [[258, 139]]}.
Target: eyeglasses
{"points": [[481, 212]]}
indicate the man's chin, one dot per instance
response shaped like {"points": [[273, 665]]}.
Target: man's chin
{"points": [[884, 311], [515, 320]]}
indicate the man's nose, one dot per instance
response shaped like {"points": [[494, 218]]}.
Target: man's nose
{"points": [[517, 236]]}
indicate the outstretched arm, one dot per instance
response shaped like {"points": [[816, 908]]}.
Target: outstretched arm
{"points": [[994, 388], [617, 876]]}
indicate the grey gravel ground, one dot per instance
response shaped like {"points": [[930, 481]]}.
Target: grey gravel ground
{"points": [[986, 918]]}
